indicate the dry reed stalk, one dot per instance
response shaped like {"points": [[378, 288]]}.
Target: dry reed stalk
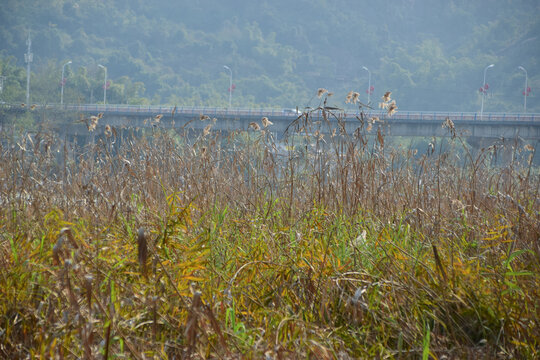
{"points": [[107, 340], [430, 194], [192, 322], [87, 285], [142, 250]]}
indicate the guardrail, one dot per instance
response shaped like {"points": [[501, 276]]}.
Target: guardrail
{"points": [[275, 112], [167, 110]]}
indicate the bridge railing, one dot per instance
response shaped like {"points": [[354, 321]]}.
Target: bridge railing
{"points": [[441, 116], [164, 110]]}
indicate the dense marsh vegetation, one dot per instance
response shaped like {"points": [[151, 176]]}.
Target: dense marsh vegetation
{"points": [[329, 245]]}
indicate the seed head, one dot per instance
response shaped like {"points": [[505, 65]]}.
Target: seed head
{"points": [[448, 123], [266, 122], [392, 108], [355, 97], [93, 123], [206, 130], [349, 97], [254, 126]]}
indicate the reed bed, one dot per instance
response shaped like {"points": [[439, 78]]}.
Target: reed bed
{"points": [[172, 244]]}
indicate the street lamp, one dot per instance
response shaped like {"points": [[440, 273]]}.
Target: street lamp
{"points": [[483, 92], [230, 83], [525, 92], [63, 82], [28, 58], [369, 83], [2, 78], [104, 84]]}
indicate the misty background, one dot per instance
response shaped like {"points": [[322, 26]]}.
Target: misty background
{"points": [[430, 53]]}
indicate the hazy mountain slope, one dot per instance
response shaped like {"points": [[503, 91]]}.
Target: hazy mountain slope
{"points": [[430, 53]]}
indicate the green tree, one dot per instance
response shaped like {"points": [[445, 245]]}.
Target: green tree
{"points": [[14, 81]]}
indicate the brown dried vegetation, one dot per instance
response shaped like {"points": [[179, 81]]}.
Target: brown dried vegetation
{"points": [[175, 244]]}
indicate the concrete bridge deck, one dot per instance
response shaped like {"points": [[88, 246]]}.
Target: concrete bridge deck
{"points": [[402, 123]]}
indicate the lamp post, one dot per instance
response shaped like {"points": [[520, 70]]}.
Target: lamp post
{"points": [[2, 78], [104, 84], [63, 82], [525, 92], [483, 92], [28, 58], [230, 83], [369, 83]]}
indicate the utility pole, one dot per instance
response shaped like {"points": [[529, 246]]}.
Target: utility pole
{"points": [[1, 87], [230, 83], [369, 84], [484, 90], [526, 89], [28, 57]]}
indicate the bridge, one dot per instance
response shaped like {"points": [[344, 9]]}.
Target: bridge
{"points": [[402, 123]]}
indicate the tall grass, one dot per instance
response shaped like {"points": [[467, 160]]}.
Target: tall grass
{"points": [[327, 244]]}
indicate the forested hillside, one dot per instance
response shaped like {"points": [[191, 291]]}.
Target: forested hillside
{"points": [[431, 54]]}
